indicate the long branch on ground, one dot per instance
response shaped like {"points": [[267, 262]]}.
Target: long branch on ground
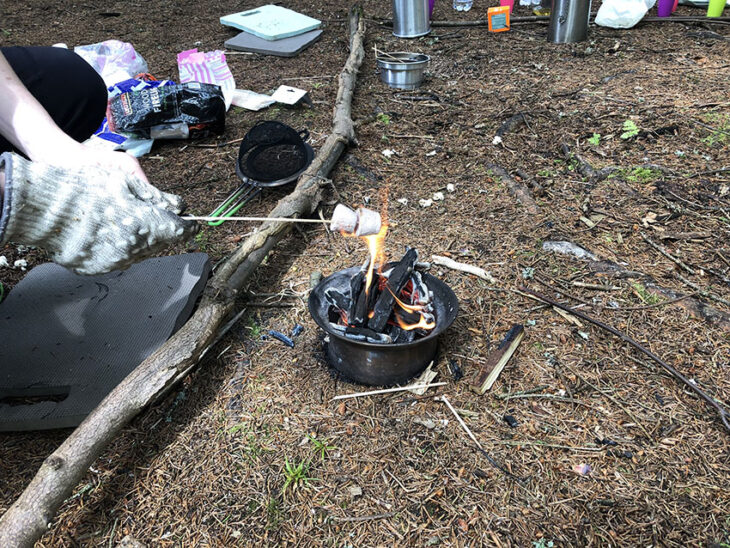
{"points": [[28, 518]]}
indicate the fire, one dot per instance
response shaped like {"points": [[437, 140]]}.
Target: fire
{"points": [[423, 323], [407, 307], [376, 247]]}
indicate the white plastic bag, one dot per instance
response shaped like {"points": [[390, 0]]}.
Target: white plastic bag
{"points": [[114, 60], [622, 14]]}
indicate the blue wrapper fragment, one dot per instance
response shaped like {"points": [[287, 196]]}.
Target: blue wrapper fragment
{"points": [[283, 338], [297, 330]]}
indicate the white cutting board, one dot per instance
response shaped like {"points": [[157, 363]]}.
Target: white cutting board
{"points": [[271, 22]]}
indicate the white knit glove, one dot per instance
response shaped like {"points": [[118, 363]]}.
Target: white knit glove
{"points": [[89, 219]]}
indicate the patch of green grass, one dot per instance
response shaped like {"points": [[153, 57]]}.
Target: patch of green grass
{"points": [[546, 173], [274, 514], [254, 328], [644, 294], [321, 446], [595, 140], [631, 130], [383, 118], [720, 135], [202, 240], [295, 475], [642, 175], [318, 85]]}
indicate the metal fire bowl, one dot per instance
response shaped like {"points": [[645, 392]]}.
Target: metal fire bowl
{"points": [[381, 364]]}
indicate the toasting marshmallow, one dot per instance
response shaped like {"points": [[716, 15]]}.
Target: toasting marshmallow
{"points": [[368, 222], [363, 222], [343, 218]]}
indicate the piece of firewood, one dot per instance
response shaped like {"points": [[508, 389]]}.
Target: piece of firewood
{"points": [[497, 359], [399, 276], [462, 267], [28, 518]]}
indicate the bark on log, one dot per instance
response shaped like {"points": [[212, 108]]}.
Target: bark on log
{"points": [[31, 515]]}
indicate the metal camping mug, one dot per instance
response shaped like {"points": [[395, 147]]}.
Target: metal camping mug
{"points": [[569, 21], [410, 18]]}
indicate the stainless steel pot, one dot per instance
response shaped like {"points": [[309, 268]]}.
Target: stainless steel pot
{"points": [[569, 21], [402, 69], [411, 18]]}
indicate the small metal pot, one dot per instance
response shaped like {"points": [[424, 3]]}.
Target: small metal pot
{"points": [[382, 364], [402, 69]]}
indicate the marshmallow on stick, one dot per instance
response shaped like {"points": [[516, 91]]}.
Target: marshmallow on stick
{"points": [[363, 222]]}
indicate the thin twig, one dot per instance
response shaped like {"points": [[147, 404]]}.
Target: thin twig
{"points": [[666, 253], [387, 390]]}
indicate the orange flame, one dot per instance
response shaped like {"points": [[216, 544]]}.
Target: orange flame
{"points": [[422, 323], [376, 247], [404, 306]]}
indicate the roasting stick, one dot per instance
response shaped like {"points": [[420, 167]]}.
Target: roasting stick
{"points": [[363, 222], [275, 219]]}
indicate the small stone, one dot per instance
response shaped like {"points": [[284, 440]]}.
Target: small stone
{"points": [[438, 196], [450, 187], [425, 203], [4, 261], [355, 491]]}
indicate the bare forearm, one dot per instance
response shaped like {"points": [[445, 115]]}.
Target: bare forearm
{"points": [[23, 120]]}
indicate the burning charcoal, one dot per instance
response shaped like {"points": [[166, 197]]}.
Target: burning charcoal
{"points": [[333, 314], [356, 287], [362, 334], [398, 278], [343, 218], [420, 287], [406, 336], [361, 310], [336, 298]]}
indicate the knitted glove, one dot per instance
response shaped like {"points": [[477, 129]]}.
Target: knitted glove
{"points": [[89, 219]]}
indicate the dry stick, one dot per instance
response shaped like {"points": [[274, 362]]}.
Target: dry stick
{"points": [[476, 442], [701, 291], [461, 267], [28, 518], [386, 391], [666, 253], [724, 414]]}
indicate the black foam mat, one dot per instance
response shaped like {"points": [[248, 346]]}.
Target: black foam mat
{"points": [[67, 340]]}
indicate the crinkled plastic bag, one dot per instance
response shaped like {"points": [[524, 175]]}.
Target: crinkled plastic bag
{"points": [[207, 68], [622, 14], [114, 60]]}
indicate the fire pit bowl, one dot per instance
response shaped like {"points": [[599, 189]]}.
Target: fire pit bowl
{"points": [[381, 364]]}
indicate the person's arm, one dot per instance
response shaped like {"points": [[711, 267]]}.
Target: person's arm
{"points": [[26, 124]]}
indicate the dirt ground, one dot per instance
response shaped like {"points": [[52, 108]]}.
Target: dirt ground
{"points": [[249, 449]]}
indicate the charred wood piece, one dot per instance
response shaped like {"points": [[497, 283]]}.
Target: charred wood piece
{"points": [[398, 278]]}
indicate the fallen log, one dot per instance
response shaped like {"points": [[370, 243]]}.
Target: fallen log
{"points": [[32, 513]]}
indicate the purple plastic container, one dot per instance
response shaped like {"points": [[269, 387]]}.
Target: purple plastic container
{"points": [[430, 7], [664, 8]]}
